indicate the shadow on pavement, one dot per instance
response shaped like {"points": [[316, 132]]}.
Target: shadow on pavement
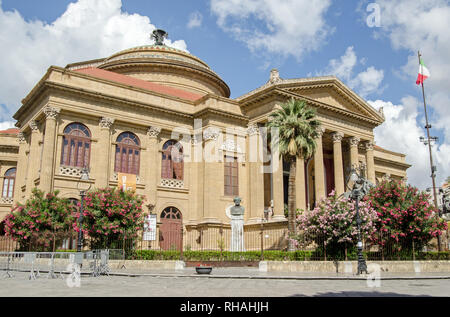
{"points": [[359, 294]]}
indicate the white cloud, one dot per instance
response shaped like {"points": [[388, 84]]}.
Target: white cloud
{"points": [[368, 81], [424, 25], [88, 29], [401, 132], [289, 27], [365, 82], [7, 125], [195, 20]]}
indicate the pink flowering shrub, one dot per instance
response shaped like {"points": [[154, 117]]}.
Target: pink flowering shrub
{"points": [[111, 214], [404, 215], [332, 224], [41, 222]]}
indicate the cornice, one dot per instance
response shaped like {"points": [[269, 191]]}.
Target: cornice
{"points": [[390, 162]]}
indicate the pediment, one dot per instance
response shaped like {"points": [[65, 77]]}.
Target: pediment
{"points": [[324, 92], [335, 94]]}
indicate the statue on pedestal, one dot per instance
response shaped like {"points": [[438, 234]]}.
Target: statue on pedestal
{"points": [[236, 214]]}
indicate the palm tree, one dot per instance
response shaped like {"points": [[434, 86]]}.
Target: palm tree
{"points": [[297, 130]]}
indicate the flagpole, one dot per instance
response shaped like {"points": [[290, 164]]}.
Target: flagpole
{"points": [[433, 176]]}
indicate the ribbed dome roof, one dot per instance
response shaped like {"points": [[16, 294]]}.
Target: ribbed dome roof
{"points": [[156, 52], [163, 65]]}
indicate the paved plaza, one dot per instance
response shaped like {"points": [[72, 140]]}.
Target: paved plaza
{"points": [[191, 285]]}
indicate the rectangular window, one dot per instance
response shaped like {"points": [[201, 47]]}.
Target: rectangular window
{"points": [[231, 176]]}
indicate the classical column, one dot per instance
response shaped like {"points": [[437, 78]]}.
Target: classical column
{"points": [[33, 168], [101, 158], [319, 170], [277, 186], [353, 143], [370, 162], [256, 177], [21, 167], [47, 164], [213, 174], [150, 164], [300, 186], [337, 158]]}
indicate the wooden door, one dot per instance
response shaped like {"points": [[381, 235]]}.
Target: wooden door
{"points": [[171, 234]]}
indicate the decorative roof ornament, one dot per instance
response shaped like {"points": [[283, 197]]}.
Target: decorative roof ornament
{"points": [[159, 35], [275, 76]]}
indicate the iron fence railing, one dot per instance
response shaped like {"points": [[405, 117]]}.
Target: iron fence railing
{"points": [[261, 241]]}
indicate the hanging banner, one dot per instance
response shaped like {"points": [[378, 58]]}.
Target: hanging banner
{"points": [[150, 228], [126, 181]]}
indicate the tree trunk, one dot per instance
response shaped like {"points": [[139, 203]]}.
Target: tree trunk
{"points": [[291, 203]]}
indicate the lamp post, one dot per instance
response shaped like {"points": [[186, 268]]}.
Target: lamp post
{"points": [[358, 191], [81, 185]]}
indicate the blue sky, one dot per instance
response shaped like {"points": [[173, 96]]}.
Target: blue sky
{"points": [[243, 40]]}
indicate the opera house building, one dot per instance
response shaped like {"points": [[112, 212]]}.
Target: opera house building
{"points": [[160, 120]]}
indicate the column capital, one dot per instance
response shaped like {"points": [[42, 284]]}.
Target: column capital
{"points": [[51, 112], [21, 137], [320, 131], [153, 131], [106, 123], [368, 146], [354, 141], [337, 136], [211, 134], [33, 126], [252, 129]]}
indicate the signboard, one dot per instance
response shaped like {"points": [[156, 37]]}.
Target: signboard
{"points": [[150, 228], [126, 181]]}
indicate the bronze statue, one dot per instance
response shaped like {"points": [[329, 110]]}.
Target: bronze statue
{"points": [[159, 36], [237, 209]]}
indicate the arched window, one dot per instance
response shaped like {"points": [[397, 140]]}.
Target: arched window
{"points": [[8, 183], [76, 146], [172, 160], [171, 213], [127, 154]]}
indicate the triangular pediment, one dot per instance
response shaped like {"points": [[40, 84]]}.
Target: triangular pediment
{"points": [[334, 93], [325, 92]]}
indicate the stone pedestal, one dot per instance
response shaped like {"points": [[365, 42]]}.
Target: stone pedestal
{"points": [[237, 234]]}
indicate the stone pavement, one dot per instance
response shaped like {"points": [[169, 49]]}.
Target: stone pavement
{"points": [[226, 282]]}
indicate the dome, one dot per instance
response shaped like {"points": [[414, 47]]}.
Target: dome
{"points": [[166, 66]]}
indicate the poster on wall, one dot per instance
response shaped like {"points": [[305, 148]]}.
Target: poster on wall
{"points": [[150, 228], [126, 181]]}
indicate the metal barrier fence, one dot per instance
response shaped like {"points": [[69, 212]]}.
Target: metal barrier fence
{"points": [[55, 264]]}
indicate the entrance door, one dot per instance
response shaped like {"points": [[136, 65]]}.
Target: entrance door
{"points": [[171, 235]]}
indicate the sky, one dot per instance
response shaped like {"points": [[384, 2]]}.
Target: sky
{"points": [[370, 45]]}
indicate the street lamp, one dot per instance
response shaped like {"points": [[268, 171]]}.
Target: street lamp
{"points": [[83, 186], [360, 188]]}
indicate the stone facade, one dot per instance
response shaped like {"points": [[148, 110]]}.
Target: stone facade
{"points": [[160, 94]]}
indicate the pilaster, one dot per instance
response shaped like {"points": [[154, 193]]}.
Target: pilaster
{"points": [[47, 167], [103, 153]]}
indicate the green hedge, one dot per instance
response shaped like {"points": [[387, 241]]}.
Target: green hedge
{"points": [[217, 256], [269, 255]]}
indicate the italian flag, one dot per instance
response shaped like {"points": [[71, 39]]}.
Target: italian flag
{"points": [[424, 73]]}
